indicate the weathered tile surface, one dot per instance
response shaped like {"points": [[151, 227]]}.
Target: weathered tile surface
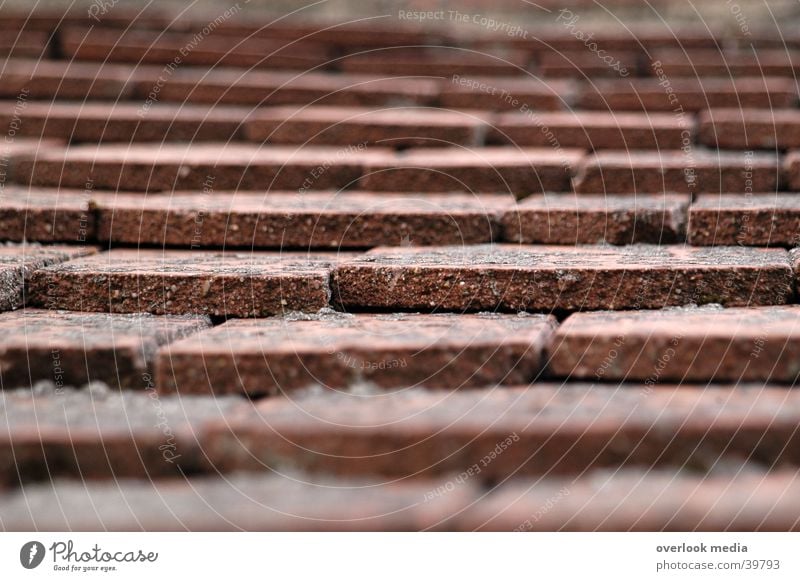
{"points": [[187, 282], [583, 64], [13, 149], [387, 127], [219, 159], [506, 93], [236, 87], [96, 433], [160, 47], [515, 278], [437, 61], [750, 220], [679, 95], [70, 348], [124, 122], [690, 170], [592, 130], [44, 215], [202, 167], [19, 261], [738, 128], [487, 169], [542, 430], [592, 218], [70, 80], [341, 351], [293, 220], [728, 63], [680, 345]]}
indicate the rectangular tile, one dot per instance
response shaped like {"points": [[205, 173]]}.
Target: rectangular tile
{"points": [[505, 93], [47, 19], [547, 430], [73, 349], [511, 277], [738, 128], [748, 220], [340, 351], [293, 220], [728, 63], [44, 215], [101, 434], [161, 47], [681, 95], [486, 169], [756, 344], [582, 63], [597, 218], [374, 33], [236, 87], [387, 127], [19, 262], [202, 167], [690, 171], [437, 61], [187, 282], [609, 36], [52, 79], [124, 122], [593, 130], [15, 149]]}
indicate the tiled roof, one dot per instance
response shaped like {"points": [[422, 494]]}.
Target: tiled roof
{"points": [[368, 276]]}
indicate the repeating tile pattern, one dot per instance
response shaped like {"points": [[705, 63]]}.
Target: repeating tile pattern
{"points": [[306, 275]]}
